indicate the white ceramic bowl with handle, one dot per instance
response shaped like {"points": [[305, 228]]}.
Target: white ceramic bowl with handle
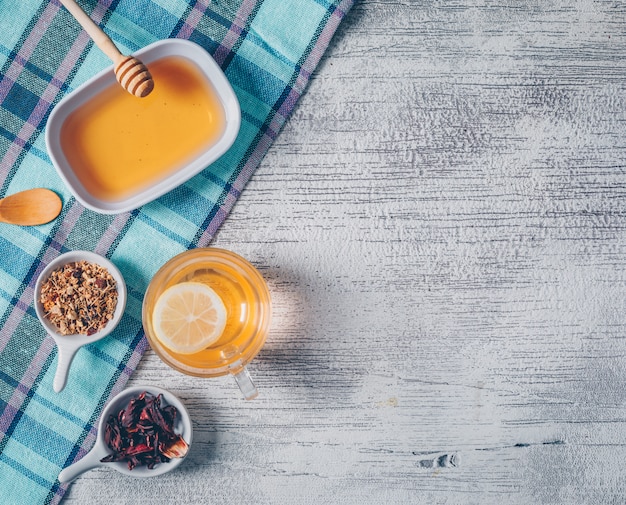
{"points": [[92, 459], [68, 345]]}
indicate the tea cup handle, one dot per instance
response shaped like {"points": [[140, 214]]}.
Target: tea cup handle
{"points": [[244, 381]]}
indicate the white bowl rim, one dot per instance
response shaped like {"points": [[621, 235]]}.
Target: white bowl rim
{"points": [[184, 429], [157, 50], [71, 257]]}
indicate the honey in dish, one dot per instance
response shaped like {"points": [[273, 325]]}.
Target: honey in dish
{"points": [[118, 144]]}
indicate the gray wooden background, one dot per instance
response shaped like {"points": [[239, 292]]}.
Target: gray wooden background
{"points": [[442, 224]]}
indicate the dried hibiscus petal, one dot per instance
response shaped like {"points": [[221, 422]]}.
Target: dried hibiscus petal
{"points": [[142, 433], [112, 435], [138, 449], [176, 449]]}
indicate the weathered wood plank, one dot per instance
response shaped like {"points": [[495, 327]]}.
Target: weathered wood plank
{"points": [[442, 225]]}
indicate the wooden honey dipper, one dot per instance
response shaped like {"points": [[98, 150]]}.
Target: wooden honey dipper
{"points": [[131, 73]]}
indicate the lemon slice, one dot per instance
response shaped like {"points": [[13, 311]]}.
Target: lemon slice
{"points": [[188, 317]]}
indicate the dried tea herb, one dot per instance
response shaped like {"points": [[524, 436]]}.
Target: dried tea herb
{"points": [[142, 433], [79, 298]]}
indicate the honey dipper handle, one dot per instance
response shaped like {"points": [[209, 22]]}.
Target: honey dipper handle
{"points": [[100, 38]]}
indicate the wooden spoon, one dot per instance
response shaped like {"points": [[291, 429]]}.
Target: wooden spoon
{"points": [[133, 75], [30, 207]]}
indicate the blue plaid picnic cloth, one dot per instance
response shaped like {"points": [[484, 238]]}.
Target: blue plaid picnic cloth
{"points": [[268, 50]]}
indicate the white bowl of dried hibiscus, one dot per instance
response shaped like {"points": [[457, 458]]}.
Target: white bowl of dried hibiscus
{"points": [[144, 431]]}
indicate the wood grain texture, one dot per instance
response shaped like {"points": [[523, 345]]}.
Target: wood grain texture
{"points": [[442, 225]]}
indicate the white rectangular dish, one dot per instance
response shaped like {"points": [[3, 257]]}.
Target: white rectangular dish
{"points": [[63, 152]]}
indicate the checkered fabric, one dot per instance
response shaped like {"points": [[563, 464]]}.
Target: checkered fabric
{"points": [[268, 50]]}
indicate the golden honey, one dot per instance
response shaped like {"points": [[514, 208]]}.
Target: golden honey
{"points": [[118, 144]]}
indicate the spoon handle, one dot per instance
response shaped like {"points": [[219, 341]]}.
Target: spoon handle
{"points": [[100, 38], [65, 355], [89, 462], [131, 73]]}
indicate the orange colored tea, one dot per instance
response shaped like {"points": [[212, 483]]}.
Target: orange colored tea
{"points": [[118, 144], [246, 299]]}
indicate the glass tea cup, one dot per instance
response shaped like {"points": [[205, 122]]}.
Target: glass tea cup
{"points": [[246, 299]]}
